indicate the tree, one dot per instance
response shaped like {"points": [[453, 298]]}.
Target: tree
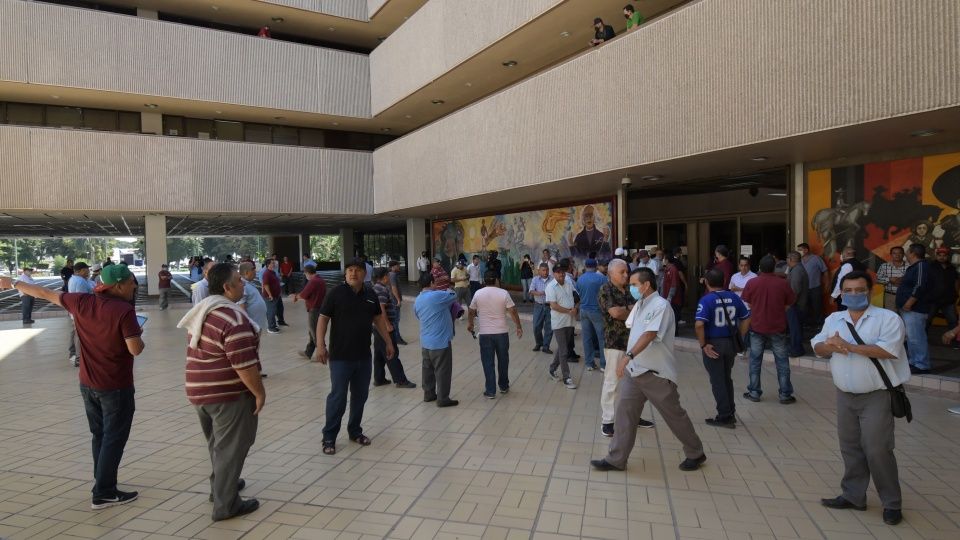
{"points": [[328, 247], [183, 247]]}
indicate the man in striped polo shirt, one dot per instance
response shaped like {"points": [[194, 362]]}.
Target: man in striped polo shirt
{"points": [[223, 383]]}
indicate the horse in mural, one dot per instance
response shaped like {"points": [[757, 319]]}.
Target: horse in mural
{"points": [[904, 210], [837, 227]]}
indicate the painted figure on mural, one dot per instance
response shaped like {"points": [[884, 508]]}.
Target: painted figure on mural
{"points": [[590, 239], [946, 188], [840, 226], [921, 233], [904, 211], [450, 244]]}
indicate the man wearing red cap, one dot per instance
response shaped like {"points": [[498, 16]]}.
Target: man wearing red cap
{"points": [[109, 336]]}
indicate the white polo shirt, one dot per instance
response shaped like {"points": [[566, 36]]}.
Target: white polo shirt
{"points": [[855, 373], [653, 314], [563, 296]]}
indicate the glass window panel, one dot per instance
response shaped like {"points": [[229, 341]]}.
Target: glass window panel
{"points": [[173, 125], [336, 139], [229, 131], [64, 117], [257, 133], [311, 137], [285, 135], [129, 122], [198, 128], [100, 120]]}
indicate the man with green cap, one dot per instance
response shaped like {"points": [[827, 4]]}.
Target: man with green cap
{"points": [[109, 336]]}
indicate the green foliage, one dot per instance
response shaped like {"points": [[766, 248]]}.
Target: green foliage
{"points": [[328, 247], [58, 262], [222, 247], [183, 247]]}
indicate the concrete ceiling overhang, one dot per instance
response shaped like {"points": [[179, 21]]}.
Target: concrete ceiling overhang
{"points": [[78, 223], [365, 33], [555, 37], [891, 138]]}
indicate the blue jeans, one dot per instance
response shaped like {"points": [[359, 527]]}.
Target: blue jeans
{"points": [[916, 326], [355, 376], [271, 313], [109, 415], [795, 326], [526, 288], [591, 326], [778, 343], [542, 331], [499, 345]]}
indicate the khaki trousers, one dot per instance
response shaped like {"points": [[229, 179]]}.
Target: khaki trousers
{"points": [[634, 394]]}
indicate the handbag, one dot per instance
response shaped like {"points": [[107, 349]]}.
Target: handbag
{"points": [[738, 345], [899, 404]]}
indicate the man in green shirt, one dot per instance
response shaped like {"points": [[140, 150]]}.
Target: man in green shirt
{"points": [[634, 18]]}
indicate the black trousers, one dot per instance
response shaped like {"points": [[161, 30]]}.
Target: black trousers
{"points": [[721, 381]]}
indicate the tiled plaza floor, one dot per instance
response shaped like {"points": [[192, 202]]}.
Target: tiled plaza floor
{"points": [[513, 467]]}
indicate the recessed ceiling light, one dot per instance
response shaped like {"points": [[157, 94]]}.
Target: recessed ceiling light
{"points": [[437, 102], [55, 97], [564, 34], [332, 29], [651, 177], [150, 105], [277, 19], [759, 158], [215, 8], [468, 85], [218, 112], [510, 63], [407, 116], [335, 123], [278, 118], [929, 132], [385, 130]]}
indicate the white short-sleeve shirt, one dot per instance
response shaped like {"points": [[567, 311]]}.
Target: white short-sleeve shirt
{"points": [[562, 295], [491, 304]]}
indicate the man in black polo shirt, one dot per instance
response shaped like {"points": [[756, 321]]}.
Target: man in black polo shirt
{"points": [[353, 307]]}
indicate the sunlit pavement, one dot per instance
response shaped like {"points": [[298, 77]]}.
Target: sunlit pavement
{"points": [[513, 467]]}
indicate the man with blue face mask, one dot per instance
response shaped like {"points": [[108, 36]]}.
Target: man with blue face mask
{"points": [[864, 418], [648, 372]]}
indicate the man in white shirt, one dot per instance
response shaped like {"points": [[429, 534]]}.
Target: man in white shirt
{"points": [[493, 303], [201, 289], [79, 282], [865, 423], [739, 280], [423, 263], [26, 301], [644, 261], [890, 274], [545, 258], [563, 311], [473, 273], [648, 372]]}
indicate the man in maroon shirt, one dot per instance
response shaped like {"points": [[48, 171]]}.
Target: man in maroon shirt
{"points": [[164, 287], [722, 263], [769, 297], [286, 272], [109, 338], [223, 384], [273, 297], [312, 295]]}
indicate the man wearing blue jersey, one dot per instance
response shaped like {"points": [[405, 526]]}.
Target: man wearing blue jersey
{"points": [[721, 318]]}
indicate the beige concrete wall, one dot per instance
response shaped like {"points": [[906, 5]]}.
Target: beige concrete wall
{"points": [[83, 170], [62, 46], [439, 36], [716, 74], [348, 9]]}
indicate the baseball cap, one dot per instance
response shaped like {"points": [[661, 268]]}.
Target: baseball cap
{"points": [[618, 252], [115, 273]]}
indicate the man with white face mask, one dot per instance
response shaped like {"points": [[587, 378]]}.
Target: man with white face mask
{"points": [[648, 372]]}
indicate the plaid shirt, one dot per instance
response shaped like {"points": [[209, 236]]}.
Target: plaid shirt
{"points": [[888, 270]]}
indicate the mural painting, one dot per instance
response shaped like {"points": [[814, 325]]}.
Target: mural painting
{"points": [[876, 206], [571, 231]]}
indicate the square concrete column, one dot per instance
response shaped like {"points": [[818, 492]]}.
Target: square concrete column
{"points": [[346, 241], [416, 244], [155, 239]]}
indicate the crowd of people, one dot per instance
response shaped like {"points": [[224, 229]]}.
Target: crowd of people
{"points": [[628, 309]]}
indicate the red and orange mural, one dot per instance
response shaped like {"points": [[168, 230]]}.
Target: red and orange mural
{"points": [[876, 206]]}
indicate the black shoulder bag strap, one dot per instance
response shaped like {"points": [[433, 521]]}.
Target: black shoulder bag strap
{"points": [[738, 344], [899, 404]]}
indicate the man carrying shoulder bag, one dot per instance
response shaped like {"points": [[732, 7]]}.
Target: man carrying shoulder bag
{"points": [[869, 366], [722, 321]]}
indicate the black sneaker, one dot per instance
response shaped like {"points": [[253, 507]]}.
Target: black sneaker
{"points": [[606, 430], [891, 516], [240, 485], [553, 374], [788, 400], [407, 384], [692, 464], [547, 350], [646, 424], [382, 383], [751, 397], [448, 403], [537, 348], [489, 396], [839, 503], [504, 390], [602, 465], [428, 399], [246, 507], [719, 422], [282, 323], [121, 497]]}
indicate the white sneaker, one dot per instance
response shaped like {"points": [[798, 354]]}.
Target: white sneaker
{"points": [[568, 382], [955, 410], [553, 374], [602, 370], [74, 361]]}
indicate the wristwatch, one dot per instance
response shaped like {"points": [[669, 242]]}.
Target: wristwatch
{"points": [[630, 355]]}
